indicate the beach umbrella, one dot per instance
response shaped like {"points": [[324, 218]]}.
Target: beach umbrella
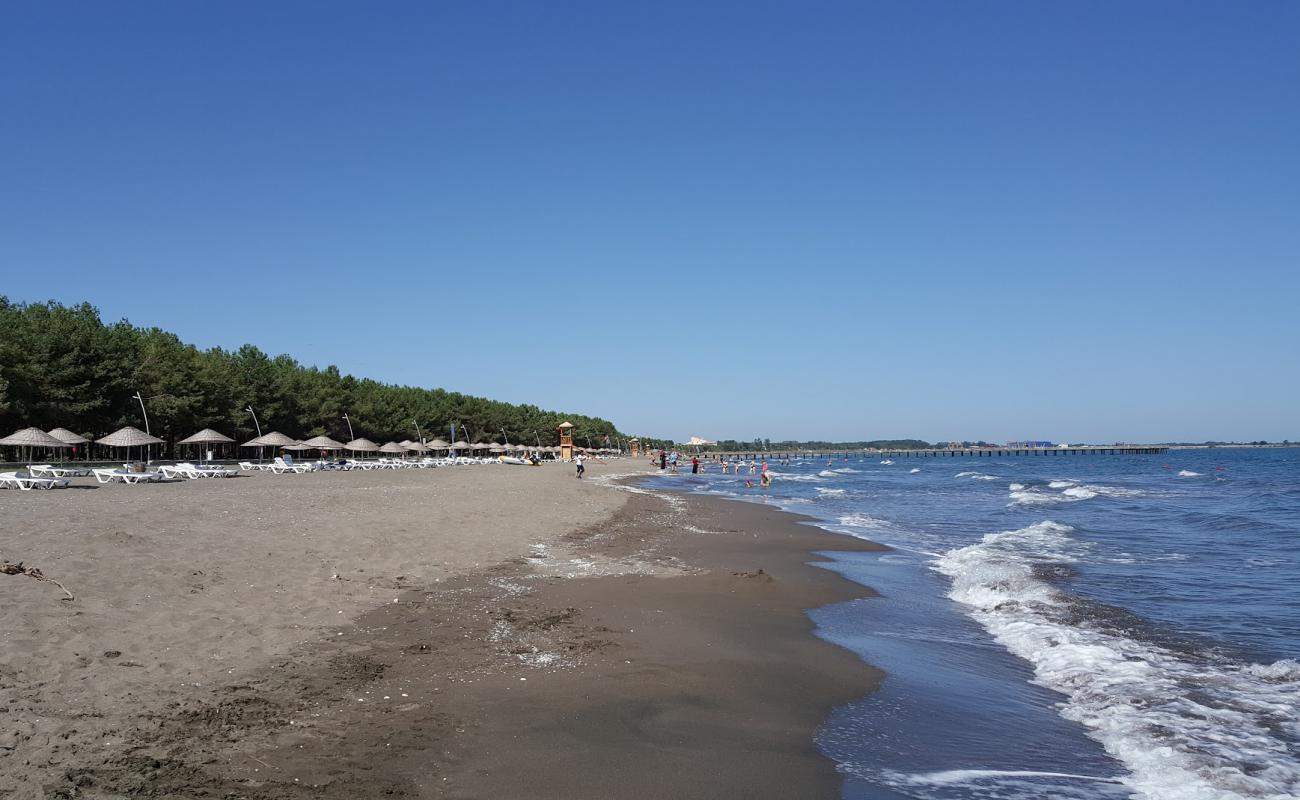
{"points": [[496, 448], [298, 447], [129, 437], [458, 445], [72, 439], [392, 447], [405, 443], [272, 439], [324, 443], [438, 444], [416, 447], [33, 437], [67, 436], [361, 446], [206, 436]]}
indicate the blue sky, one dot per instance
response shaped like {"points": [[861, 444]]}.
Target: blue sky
{"points": [[1075, 221]]}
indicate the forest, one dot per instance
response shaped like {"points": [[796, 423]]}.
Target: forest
{"points": [[62, 366]]}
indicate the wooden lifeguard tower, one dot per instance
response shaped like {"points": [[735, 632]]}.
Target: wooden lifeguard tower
{"points": [[566, 440], [635, 444]]}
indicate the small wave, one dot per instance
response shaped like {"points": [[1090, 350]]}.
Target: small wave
{"points": [[1187, 473], [1023, 496], [790, 476], [952, 776], [847, 471], [887, 462], [822, 490], [862, 521], [1061, 484], [977, 476], [913, 470], [826, 473], [1184, 725], [1079, 493]]}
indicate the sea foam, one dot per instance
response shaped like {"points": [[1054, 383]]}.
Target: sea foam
{"points": [[1186, 726]]}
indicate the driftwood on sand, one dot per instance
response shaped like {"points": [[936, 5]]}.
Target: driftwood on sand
{"points": [[32, 572]]}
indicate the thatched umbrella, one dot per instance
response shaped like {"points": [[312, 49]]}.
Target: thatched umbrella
{"points": [[129, 437], [29, 438], [73, 440], [405, 443], [438, 444], [416, 447], [458, 445], [67, 436], [33, 437], [361, 446], [392, 447], [207, 436], [272, 439], [324, 443], [496, 448]]}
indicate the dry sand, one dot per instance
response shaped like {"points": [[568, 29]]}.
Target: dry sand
{"points": [[460, 632]]}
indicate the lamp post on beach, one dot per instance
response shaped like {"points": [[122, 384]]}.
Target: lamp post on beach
{"points": [[351, 438], [255, 422], [417, 430]]}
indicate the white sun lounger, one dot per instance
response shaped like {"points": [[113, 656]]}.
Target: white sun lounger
{"points": [[280, 467], [51, 471], [26, 481], [209, 471], [173, 471], [125, 476]]}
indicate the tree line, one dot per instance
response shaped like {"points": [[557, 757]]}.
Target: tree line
{"points": [[62, 366]]}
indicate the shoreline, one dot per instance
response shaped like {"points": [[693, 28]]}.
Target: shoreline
{"points": [[654, 643]]}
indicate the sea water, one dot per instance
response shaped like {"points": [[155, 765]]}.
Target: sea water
{"points": [[1062, 626]]}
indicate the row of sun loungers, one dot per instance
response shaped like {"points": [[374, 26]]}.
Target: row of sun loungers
{"points": [[49, 476]]}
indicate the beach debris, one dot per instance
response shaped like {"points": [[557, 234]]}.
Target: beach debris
{"points": [[32, 572]]}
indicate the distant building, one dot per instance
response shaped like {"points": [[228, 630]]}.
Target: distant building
{"points": [[1027, 445]]}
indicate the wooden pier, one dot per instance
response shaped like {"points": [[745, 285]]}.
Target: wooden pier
{"points": [[955, 452]]}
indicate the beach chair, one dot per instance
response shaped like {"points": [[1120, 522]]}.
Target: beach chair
{"points": [[125, 476], [173, 471], [26, 481], [51, 471], [209, 471], [280, 466]]}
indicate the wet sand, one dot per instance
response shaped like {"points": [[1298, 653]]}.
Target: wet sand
{"points": [[461, 632]]}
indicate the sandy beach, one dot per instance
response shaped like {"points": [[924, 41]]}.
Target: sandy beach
{"points": [[479, 631]]}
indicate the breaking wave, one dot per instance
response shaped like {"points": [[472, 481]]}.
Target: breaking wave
{"points": [[1187, 725]]}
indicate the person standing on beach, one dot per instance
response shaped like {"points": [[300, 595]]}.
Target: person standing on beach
{"points": [[663, 459], [577, 460], [695, 465], [672, 461]]}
